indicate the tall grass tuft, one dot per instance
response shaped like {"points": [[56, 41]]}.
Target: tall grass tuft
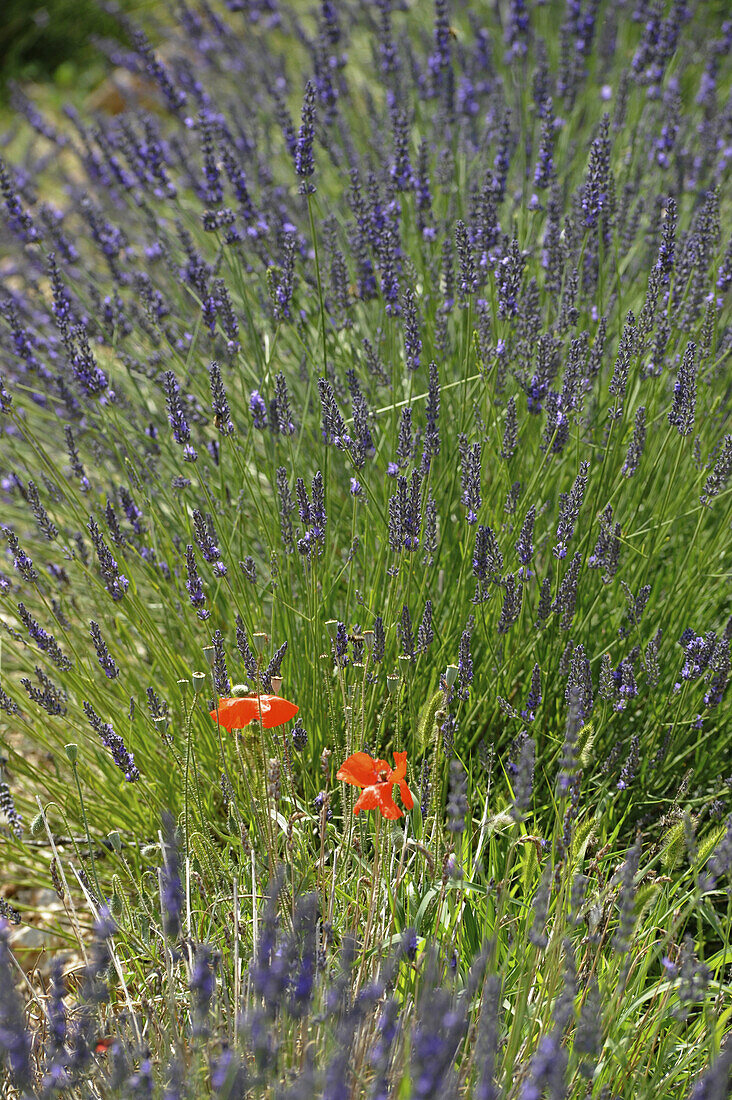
{"points": [[365, 522]]}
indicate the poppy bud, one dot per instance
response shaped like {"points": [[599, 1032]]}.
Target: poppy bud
{"points": [[72, 752], [117, 906], [331, 626], [238, 691], [37, 825], [115, 840], [451, 675]]}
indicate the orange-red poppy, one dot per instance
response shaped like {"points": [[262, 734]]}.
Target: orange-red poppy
{"points": [[235, 714], [378, 781]]}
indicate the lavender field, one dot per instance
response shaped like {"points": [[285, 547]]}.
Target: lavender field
{"points": [[365, 513]]}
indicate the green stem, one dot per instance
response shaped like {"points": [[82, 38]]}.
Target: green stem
{"points": [[100, 894], [320, 287], [372, 899]]}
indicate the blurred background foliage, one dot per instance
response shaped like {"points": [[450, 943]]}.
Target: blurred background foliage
{"points": [[56, 41]]}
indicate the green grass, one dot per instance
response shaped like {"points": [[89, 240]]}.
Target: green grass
{"points": [[581, 884]]}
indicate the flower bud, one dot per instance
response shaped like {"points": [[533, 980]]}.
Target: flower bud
{"points": [[72, 752], [451, 675], [239, 691], [115, 840], [37, 825], [116, 906]]}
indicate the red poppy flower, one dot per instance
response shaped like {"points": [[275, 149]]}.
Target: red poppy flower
{"points": [[378, 781], [235, 714]]}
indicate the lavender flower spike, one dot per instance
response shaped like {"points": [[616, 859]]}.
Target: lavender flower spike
{"points": [[176, 415], [681, 415], [721, 473], [221, 675], [106, 660], [21, 561], [194, 585], [114, 581], [124, 760], [219, 400], [171, 889], [304, 165], [15, 1042]]}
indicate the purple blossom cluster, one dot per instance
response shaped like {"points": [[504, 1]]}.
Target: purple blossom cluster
{"points": [[432, 339]]}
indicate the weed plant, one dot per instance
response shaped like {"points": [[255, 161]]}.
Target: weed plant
{"points": [[383, 367]]}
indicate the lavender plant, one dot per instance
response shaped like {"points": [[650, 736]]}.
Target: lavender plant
{"points": [[403, 394]]}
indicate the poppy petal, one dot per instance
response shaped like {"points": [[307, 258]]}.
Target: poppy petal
{"points": [[386, 803], [259, 706], [360, 770], [235, 714], [368, 800], [400, 759], [278, 711], [406, 795]]}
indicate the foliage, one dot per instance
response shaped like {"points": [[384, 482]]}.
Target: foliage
{"points": [[53, 39], [403, 394]]}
